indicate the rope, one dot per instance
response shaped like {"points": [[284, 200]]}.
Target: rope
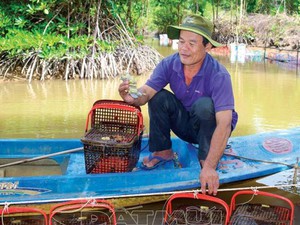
{"points": [[92, 201], [5, 209], [261, 160], [228, 146], [255, 192], [154, 194]]}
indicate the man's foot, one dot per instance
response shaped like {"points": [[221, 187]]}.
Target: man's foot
{"points": [[157, 158]]}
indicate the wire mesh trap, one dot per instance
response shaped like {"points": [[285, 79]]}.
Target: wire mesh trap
{"points": [[113, 142], [257, 213], [22, 216], [197, 209], [82, 212]]}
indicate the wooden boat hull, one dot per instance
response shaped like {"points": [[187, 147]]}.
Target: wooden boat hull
{"points": [[279, 148]]}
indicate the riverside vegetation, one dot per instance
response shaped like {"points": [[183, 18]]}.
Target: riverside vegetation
{"points": [[95, 39]]}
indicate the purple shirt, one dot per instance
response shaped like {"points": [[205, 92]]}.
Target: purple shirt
{"points": [[213, 81]]}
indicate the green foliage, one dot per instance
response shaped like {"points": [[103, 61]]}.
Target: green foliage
{"points": [[164, 17], [50, 27], [168, 12], [5, 22], [251, 6], [64, 29], [22, 43], [293, 7], [105, 46], [17, 41], [73, 18], [248, 33]]}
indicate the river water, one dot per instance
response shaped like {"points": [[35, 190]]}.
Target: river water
{"points": [[266, 94]]}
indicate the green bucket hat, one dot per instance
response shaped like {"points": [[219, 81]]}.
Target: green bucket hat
{"points": [[196, 24]]}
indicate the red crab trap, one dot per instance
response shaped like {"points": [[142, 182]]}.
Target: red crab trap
{"points": [[22, 215], [83, 212], [112, 139], [257, 210], [195, 208]]}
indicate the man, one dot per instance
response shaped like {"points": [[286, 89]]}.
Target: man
{"points": [[201, 108]]}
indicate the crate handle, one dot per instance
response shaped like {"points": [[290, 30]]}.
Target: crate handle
{"points": [[114, 106]]}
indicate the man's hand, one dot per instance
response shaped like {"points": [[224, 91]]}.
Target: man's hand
{"points": [[209, 178], [124, 92]]}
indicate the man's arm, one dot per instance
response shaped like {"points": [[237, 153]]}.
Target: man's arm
{"points": [[147, 94], [209, 175]]}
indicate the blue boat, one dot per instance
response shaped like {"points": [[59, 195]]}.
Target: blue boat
{"points": [[245, 157]]}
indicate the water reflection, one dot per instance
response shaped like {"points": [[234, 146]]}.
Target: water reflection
{"points": [[267, 97]]}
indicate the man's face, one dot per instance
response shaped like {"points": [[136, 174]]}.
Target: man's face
{"points": [[190, 47]]}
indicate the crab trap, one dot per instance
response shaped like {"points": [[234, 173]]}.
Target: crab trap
{"points": [[112, 139], [263, 208], [23, 216], [191, 208], [83, 212]]}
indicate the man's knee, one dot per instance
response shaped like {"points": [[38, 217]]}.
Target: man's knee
{"points": [[160, 98], [204, 108]]}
